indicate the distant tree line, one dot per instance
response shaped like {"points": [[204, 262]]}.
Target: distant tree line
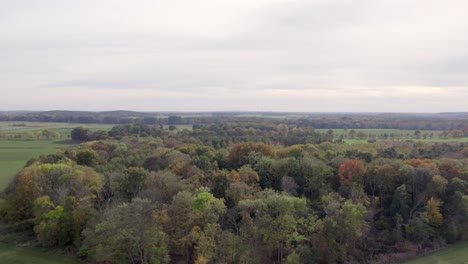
{"points": [[215, 135], [318, 121]]}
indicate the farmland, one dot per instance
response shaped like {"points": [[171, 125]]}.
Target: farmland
{"points": [[456, 254], [32, 130], [15, 153], [22, 141], [353, 136]]}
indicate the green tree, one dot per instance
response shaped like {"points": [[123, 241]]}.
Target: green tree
{"points": [[128, 233], [238, 154], [132, 182], [434, 217], [316, 175], [48, 134], [341, 229], [401, 202], [80, 134], [279, 221], [87, 158], [47, 221]]}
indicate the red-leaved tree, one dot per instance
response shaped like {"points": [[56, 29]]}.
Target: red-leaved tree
{"points": [[351, 170]]}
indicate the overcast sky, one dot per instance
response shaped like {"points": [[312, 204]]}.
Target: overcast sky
{"points": [[256, 55]]}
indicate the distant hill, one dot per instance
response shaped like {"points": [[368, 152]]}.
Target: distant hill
{"points": [[117, 113]]}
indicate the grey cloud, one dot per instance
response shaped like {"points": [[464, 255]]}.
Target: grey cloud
{"points": [[275, 50]]}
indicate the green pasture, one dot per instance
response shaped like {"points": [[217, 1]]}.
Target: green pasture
{"points": [[455, 254], [354, 141], [442, 140], [19, 255], [399, 135], [379, 131], [15, 128], [427, 140], [15, 152]]}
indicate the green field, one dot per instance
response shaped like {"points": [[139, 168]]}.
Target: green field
{"points": [[455, 254], [443, 140], [398, 135], [19, 255], [15, 128], [15, 152], [427, 140], [377, 131]]}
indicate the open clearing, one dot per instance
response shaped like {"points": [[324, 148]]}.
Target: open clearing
{"points": [[15, 152], [455, 254], [15, 128], [18, 255]]}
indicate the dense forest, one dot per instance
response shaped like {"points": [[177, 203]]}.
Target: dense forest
{"points": [[254, 190]]}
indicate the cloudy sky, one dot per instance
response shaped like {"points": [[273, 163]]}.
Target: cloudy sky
{"points": [[256, 55]]}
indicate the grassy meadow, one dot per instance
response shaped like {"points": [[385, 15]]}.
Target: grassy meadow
{"points": [[15, 153], [20, 255], [427, 136], [455, 254], [427, 140], [341, 131], [21, 141], [16, 128]]}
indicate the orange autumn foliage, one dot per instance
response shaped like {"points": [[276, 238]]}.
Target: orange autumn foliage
{"points": [[351, 170]]}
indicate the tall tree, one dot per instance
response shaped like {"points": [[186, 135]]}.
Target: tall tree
{"points": [[351, 171]]}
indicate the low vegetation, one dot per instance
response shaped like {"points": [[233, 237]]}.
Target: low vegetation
{"points": [[22, 255], [456, 254], [14, 155]]}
